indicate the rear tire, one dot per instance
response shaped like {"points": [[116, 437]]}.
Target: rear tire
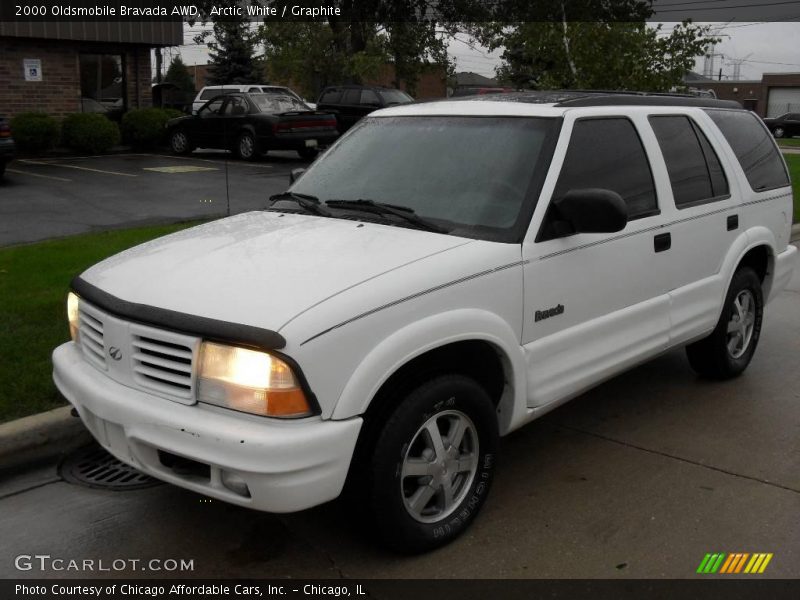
{"points": [[247, 146], [430, 467], [779, 132], [727, 351]]}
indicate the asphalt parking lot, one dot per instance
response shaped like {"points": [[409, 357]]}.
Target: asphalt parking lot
{"points": [[54, 197], [639, 478]]}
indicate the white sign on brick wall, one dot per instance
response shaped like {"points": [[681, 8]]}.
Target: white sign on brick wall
{"points": [[32, 68]]}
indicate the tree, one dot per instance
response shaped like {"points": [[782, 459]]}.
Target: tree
{"points": [[232, 51], [179, 76], [589, 44], [597, 55]]}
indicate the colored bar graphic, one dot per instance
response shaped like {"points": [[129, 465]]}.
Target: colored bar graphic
{"points": [[727, 564], [734, 563], [765, 563]]}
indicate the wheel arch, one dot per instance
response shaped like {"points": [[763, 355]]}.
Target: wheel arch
{"points": [[476, 343]]}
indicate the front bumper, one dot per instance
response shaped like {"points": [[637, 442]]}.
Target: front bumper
{"points": [[286, 465]]}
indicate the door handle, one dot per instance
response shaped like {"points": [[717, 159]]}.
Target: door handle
{"points": [[662, 242], [733, 222]]}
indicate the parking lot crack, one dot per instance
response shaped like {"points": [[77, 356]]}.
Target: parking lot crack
{"points": [[30, 488], [679, 458]]}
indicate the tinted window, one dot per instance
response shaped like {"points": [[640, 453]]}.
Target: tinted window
{"points": [[330, 96], [369, 97], [753, 146], [690, 160], [608, 154], [351, 96]]}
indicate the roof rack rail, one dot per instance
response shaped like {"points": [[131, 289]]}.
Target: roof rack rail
{"points": [[642, 99], [584, 98]]}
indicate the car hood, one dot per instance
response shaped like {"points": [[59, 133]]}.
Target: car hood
{"points": [[261, 268]]}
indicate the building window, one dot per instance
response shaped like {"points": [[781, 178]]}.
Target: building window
{"points": [[102, 83]]}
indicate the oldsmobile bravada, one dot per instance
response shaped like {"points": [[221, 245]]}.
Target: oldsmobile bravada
{"points": [[442, 275]]}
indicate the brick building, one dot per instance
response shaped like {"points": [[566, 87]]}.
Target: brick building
{"points": [[62, 68], [774, 94]]}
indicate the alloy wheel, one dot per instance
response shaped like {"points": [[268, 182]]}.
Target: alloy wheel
{"points": [[439, 466], [741, 323]]}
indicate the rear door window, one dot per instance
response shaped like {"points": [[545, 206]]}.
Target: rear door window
{"points": [[754, 148], [370, 98], [351, 96], [694, 169]]}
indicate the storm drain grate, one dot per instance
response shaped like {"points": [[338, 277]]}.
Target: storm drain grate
{"points": [[93, 467]]}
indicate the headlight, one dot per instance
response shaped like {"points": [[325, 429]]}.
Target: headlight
{"points": [[72, 315], [249, 381]]}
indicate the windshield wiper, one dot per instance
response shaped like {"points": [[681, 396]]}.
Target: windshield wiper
{"points": [[307, 202], [381, 208]]}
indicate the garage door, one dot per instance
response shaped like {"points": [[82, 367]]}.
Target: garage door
{"points": [[783, 100]]}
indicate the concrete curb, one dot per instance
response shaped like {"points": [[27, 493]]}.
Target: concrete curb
{"points": [[39, 437]]}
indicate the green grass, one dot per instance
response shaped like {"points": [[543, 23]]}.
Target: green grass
{"points": [[33, 286], [793, 160], [789, 142]]}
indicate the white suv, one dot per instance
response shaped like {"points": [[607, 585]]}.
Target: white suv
{"points": [[444, 274]]}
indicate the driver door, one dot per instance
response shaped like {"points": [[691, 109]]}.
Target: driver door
{"points": [[594, 303], [209, 124]]}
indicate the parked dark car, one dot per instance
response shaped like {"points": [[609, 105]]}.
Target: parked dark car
{"points": [[7, 147], [352, 102], [253, 124], [786, 125]]}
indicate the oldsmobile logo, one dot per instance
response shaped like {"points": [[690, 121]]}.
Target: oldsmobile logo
{"points": [[115, 353]]}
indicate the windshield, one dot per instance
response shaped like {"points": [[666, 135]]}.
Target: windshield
{"points": [[395, 97], [474, 176], [270, 103]]}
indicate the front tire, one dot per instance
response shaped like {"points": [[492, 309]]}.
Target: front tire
{"points": [[779, 132], [730, 347], [247, 146], [179, 142], [431, 466]]}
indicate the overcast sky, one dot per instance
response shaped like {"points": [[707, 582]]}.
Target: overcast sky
{"points": [[763, 47]]}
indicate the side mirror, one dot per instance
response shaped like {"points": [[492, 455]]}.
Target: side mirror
{"points": [[295, 174], [593, 210]]}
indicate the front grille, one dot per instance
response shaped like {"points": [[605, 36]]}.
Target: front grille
{"points": [[90, 329], [154, 360], [162, 366]]}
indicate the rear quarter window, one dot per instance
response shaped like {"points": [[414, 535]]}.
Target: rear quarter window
{"points": [[754, 148]]}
